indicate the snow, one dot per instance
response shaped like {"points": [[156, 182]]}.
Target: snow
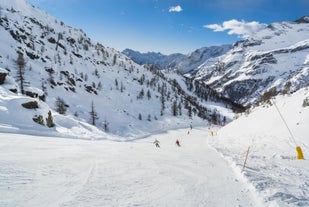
{"points": [[272, 167], [3, 71], [38, 171], [77, 164]]}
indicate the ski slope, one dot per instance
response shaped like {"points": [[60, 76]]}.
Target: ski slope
{"points": [[205, 171], [45, 171]]}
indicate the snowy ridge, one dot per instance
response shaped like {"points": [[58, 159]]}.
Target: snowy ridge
{"points": [[275, 57]]}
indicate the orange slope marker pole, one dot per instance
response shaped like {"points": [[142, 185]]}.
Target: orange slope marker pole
{"points": [[246, 159]]}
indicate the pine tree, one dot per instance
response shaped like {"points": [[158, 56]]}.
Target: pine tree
{"points": [[115, 59], [141, 94], [21, 64], [148, 94], [43, 87], [214, 117], [93, 114], [106, 126], [189, 112], [96, 73], [51, 79], [116, 83], [179, 109], [224, 120], [71, 60], [49, 120], [61, 106], [175, 108], [121, 87], [162, 104], [100, 86]]}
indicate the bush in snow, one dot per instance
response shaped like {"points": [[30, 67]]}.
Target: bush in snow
{"points": [[30, 105], [306, 102], [38, 119]]}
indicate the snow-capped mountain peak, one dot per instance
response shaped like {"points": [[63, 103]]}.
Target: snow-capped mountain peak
{"points": [[304, 19], [275, 58]]}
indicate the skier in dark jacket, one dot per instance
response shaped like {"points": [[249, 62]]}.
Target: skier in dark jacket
{"points": [[157, 143]]}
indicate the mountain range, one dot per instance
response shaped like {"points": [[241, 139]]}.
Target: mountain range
{"points": [[272, 61], [182, 63]]}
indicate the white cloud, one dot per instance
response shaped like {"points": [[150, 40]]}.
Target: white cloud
{"points": [[240, 28], [175, 9]]}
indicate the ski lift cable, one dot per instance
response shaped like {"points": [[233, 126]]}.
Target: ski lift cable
{"points": [[281, 116]]}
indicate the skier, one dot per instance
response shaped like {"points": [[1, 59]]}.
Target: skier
{"points": [[177, 143], [157, 143]]}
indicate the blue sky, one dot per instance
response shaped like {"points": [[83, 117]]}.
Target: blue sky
{"points": [[171, 26]]}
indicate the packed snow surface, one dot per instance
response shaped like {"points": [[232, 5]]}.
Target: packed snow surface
{"points": [[44, 171], [272, 166]]}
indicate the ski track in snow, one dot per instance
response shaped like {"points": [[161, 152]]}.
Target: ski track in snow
{"points": [[50, 172]]}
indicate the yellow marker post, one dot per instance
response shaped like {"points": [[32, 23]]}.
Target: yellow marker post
{"points": [[300, 155]]}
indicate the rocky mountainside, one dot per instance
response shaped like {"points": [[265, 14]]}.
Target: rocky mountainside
{"points": [[54, 67], [274, 60], [180, 62]]}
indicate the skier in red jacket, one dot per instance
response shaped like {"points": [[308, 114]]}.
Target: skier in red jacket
{"points": [[177, 143]]}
